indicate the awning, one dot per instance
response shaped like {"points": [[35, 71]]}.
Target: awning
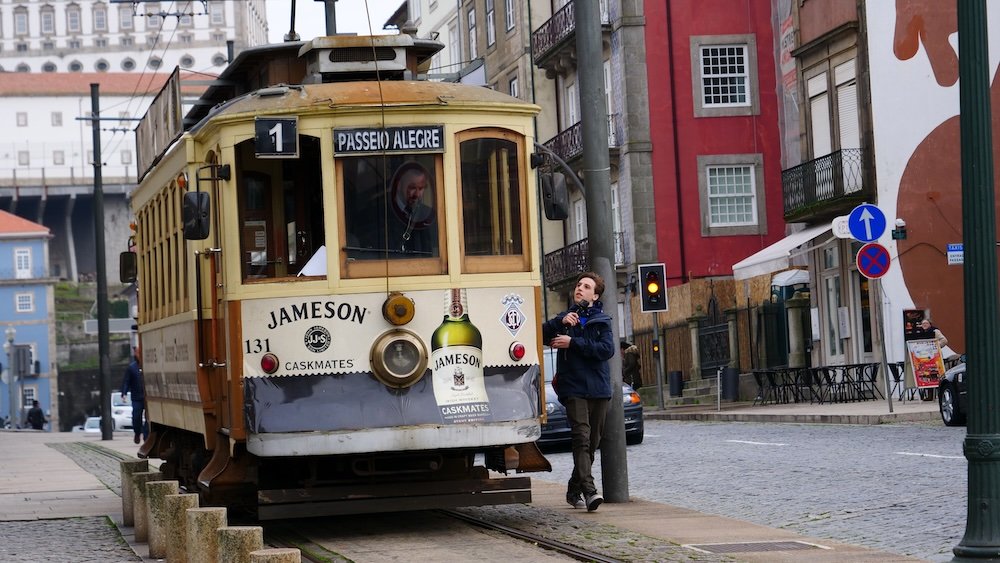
{"points": [[775, 258]]}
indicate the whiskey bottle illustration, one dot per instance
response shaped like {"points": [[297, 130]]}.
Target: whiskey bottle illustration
{"points": [[457, 359]]}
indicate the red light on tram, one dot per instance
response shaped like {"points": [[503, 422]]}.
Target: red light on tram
{"points": [[269, 363], [517, 351]]}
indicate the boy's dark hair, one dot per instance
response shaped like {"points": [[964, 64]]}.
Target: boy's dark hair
{"points": [[598, 281]]}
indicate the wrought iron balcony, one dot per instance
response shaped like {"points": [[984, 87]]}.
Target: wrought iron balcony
{"points": [[825, 186], [568, 144], [569, 261], [555, 33]]}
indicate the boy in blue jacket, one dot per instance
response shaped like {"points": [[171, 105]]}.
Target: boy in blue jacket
{"points": [[585, 342]]}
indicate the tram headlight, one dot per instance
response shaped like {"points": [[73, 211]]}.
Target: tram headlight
{"points": [[399, 358]]}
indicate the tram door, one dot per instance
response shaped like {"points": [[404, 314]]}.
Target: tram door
{"points": [[216, 349]]}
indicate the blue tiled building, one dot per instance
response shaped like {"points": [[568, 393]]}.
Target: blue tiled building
{"points": [[27, 316]]}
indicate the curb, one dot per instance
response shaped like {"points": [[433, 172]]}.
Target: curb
{"points": [[865, 419]]}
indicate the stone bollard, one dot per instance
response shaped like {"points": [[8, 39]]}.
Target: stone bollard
{"points": [[139, 503], [202, 533], [176, 525], [236, 543], [156, 513], [130, 467], [276, 555]]}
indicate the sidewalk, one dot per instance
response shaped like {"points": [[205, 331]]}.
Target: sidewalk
{"points": [[861, 412], [53, 508]]}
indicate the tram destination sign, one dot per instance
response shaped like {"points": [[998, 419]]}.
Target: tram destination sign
{"points": [[409, 139]]}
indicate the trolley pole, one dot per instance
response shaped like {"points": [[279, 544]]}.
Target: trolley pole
{"points": [[597, 177], [103, 342], [982, 313]]}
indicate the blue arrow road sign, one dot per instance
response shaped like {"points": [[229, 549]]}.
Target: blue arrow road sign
{"points": [[866, 222], [873, 260]]}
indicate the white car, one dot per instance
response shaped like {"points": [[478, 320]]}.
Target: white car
{"points": [[92, 425], [121, 412]]}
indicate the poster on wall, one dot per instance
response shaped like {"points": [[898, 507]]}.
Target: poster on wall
{"points": [[926, 362]]}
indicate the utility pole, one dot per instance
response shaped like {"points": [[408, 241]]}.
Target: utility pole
{"points": [[982, 314], [103, 342], [597, 177]]}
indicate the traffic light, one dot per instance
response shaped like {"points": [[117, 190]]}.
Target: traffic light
{"points": [[652, 278]]}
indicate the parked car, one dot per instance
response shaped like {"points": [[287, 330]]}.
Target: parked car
{"points": [[121, 412], [556, 430], [951, 396], [91, 425]]}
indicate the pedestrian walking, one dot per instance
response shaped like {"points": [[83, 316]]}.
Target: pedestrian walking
{"points": [[585, 342], [132, 383], [631, 368], [36, 418]]}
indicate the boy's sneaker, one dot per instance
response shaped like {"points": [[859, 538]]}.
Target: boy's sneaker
{"points": [[593, 501], [575, 500]]}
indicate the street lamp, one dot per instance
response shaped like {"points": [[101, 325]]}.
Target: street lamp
{"points": [[8, 347]]}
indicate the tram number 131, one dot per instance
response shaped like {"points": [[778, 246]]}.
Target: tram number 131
{"points": [[257, 345]]}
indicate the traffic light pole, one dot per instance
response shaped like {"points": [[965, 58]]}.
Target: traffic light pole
{"points": [[982, 312], [661, 361]]}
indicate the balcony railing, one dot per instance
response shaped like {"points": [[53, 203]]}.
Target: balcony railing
{"points": [[568, 144], [823, 180], [569, 261], [560, 26]]}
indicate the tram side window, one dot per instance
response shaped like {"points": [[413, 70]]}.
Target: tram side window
{"points": [[280, 210], [391, 208], [494, 224]]}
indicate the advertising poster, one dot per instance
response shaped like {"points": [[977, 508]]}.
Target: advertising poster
{"points": [[926, 362]]}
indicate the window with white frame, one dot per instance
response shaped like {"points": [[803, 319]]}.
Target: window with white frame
{"points": [[724, 69], [20, 21], [57, 119], [216, 13], [22, 263], [491, 25], [47, 18], [572, 105], [22, 119], [509, 14], [155, 21], [23, 158], [58, 157], [100, 18], [126, 156], [512, 88], [454, 46], [473, 51], [24, 302], [29, 392], [731, 193], [73, 19], [125, 18]]}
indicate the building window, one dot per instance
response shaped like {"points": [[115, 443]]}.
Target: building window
{"points": [[90, 153], [185, 20], [22, 263], [187, 61], [219, 59], [23, 158], [155, 62], [513, 89], [123, 116], [48, 20], [454, 46], [73, 19], [216, 13], [473, 51], [219, 37], [100, 18], [25, 302], [152, 40], [128, 65], [74, 43], [155, 21], [186, 39], [102, 66], [48, 45], [126, 156], [57, 119], [22, 67], [22, 119], [75, 66], [28, 393], [49, 67], [125, 18], [491, 23], [58, 157], [101, 42], [20, 21], [509, 14], [724, 69], [21, 47], [126, 41], [731, 190]]}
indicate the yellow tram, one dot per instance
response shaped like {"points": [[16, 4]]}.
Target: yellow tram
{"points": [[339, 288]]}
